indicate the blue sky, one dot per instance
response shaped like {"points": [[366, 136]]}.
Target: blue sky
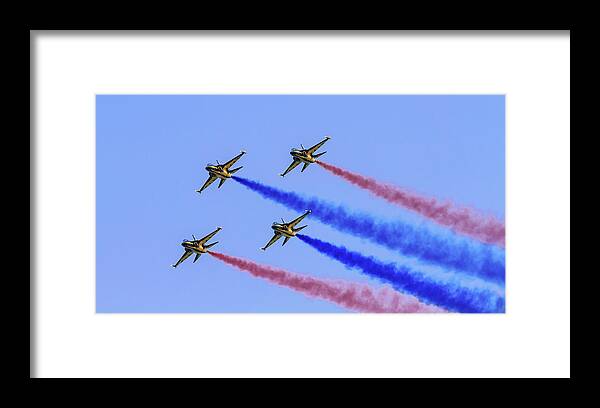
{"points": [[152, 150]]}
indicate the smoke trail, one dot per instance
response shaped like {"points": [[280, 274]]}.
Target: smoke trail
{"points": [[351, 295], [447, 250], [460, 219], [451, 297]]}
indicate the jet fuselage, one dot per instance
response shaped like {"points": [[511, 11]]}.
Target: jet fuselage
{"points": [[218, 171], [303, 156], [284, 230], [195, 247]]}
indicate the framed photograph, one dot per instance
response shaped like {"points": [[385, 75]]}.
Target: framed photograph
{"points": [[218, 204]]}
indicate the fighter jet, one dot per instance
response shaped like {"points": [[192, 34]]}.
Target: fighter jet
{"points": [[286, 230], [220, 171], [304, 156], [197, 246]]}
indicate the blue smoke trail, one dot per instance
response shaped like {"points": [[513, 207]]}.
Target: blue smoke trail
{"points": [[451, 297], [450, 251]]}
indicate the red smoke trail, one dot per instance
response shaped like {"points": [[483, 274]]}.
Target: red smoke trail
{"points": [[460, 219], [351, 295]]}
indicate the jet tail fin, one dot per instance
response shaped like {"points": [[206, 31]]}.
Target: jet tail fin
{"points": [[234, 170], [300, 228], [318, 155], [210, 245], [196, 258]]}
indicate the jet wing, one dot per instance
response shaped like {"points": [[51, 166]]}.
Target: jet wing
{"points": [[272, 241], [295, 222], [208, 182], [185, 256], [202, 241], [227, 165], [315, 147], [291, 167]]}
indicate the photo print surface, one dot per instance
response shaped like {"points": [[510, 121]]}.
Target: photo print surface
{"points": [[300, 204]]}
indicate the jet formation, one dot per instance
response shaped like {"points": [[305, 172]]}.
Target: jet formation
{"points": [[223, 172]]}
